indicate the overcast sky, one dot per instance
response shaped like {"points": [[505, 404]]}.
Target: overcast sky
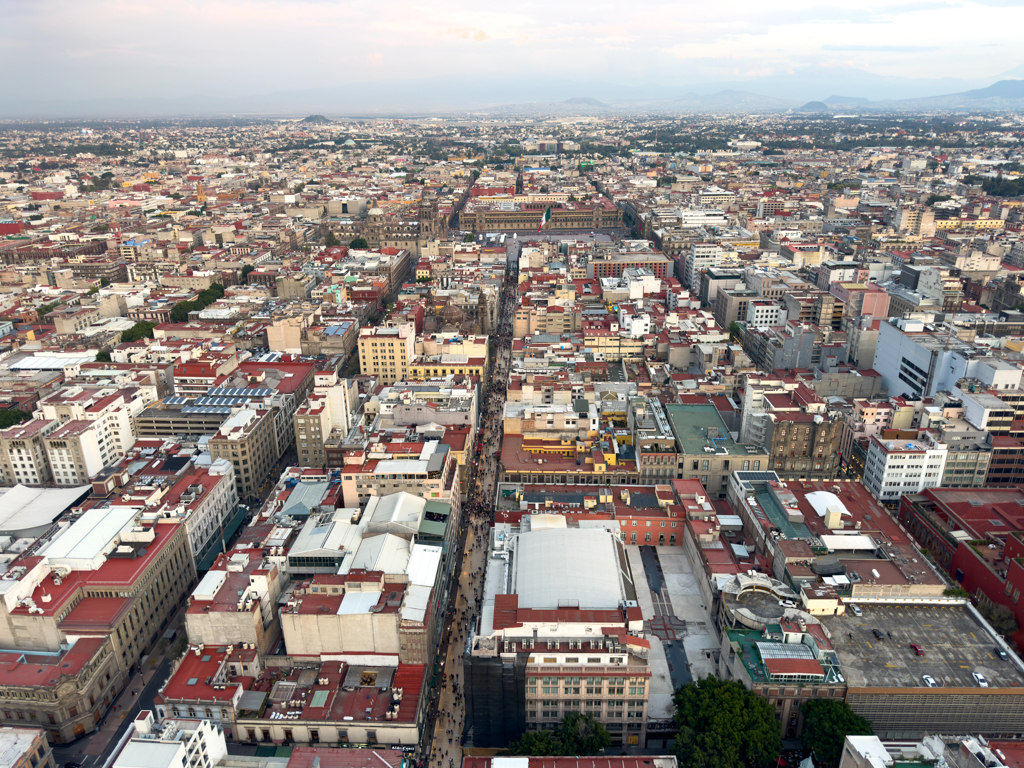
{"points": [[99, 48]]}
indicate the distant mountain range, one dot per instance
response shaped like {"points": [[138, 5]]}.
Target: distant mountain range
{"points": [[434, 96]]}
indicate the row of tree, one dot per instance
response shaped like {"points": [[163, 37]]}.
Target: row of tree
{"points": [[721, 725], [179, 314]]}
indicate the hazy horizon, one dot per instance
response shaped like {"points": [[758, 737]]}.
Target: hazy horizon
{"points": [[190, 54]]}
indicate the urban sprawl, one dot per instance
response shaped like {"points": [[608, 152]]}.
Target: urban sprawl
{"points": [[434, 441]]}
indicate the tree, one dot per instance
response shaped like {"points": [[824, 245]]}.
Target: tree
{"points": [[359, 244], [104, 282], [46, 309], [827, 723], [468, 237], [245, 272], [956, 592], [103, 356], [1000, 617], [179, 313], [583, 735], [735, 331], [331, 240], [141, 330], [933, 199], [723, 725], [11, 416], [536, 743], [576, 735]]}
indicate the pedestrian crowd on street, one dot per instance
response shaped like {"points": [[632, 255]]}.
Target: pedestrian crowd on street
{"points": [[447, 721]]}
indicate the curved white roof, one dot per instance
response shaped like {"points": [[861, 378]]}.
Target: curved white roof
{"points": [[24, 508], [820, 501], [568, 567]]}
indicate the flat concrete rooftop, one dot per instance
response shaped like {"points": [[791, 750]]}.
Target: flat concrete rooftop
{"points": [[955, 645]]}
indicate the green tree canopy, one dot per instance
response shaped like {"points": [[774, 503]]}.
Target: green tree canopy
{"points": [[359, 244], [141, 330], [245, 272], [1000, 617], [536, 743], [576, 735], [723, 725], [331, 239], [103, 356], [11, 416], [827, 723], [179, 314], [46, 309]]}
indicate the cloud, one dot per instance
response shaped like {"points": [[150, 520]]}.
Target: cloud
{"points": [[887, 48], [465, 33], [111, 47]]}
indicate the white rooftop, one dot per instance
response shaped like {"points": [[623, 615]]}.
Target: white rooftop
{"points": [[23, 508], [81, 544], [567, 568], [358, 602]]}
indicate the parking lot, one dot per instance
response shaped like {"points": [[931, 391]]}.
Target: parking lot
{"points": [[955, 645]]}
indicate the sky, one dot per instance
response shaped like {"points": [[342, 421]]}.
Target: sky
{"points": [[74, 49]]}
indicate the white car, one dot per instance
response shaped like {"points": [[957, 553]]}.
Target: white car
{"points": [[980, 680], [929, 681], [856, 610]]}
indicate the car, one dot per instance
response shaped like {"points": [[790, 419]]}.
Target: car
{"points": [[878, 634], [980, 679], [856, 610], [787, 603], [929, 681], [1001, 654], [917, 649]]}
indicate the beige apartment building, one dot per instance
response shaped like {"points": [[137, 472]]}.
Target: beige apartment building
{"points": [[386, 352], [23, 453], [249, 441]]}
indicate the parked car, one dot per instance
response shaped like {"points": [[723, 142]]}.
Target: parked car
{"points": [[878, 634], [1001, 654], [856, 610], [929, 681], [980, 679], [917, 649]]}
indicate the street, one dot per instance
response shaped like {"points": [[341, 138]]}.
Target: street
{"points": [[446, 715]]}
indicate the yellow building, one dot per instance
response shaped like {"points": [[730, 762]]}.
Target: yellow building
{"points": [[387, 352], [435, 366]]}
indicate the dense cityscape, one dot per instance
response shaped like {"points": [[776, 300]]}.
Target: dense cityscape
{"points": [[492, 440]]}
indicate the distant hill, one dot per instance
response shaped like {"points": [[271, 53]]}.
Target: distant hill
{"points": [[317, 119], [1004, 89], [845, 100], [813, 106], [585, 101]]}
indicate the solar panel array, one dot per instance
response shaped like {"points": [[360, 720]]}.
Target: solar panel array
{"points": [[235, 392], [220, 400], [177, 400], [206, 409]]}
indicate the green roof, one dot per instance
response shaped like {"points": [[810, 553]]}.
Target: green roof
{"points": [[693, 424], [432, 528]]}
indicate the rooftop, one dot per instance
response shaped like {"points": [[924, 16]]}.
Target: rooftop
{"points": [[955, 644], [698, 427]]}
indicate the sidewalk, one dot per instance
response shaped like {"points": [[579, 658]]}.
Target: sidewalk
{"points": [[449, 725], [88, 749]]}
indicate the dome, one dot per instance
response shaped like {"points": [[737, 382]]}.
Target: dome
{"points": [[375, 211]]}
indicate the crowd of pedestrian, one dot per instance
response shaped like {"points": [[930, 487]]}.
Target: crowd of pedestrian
{"points": [[448, 722]]}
